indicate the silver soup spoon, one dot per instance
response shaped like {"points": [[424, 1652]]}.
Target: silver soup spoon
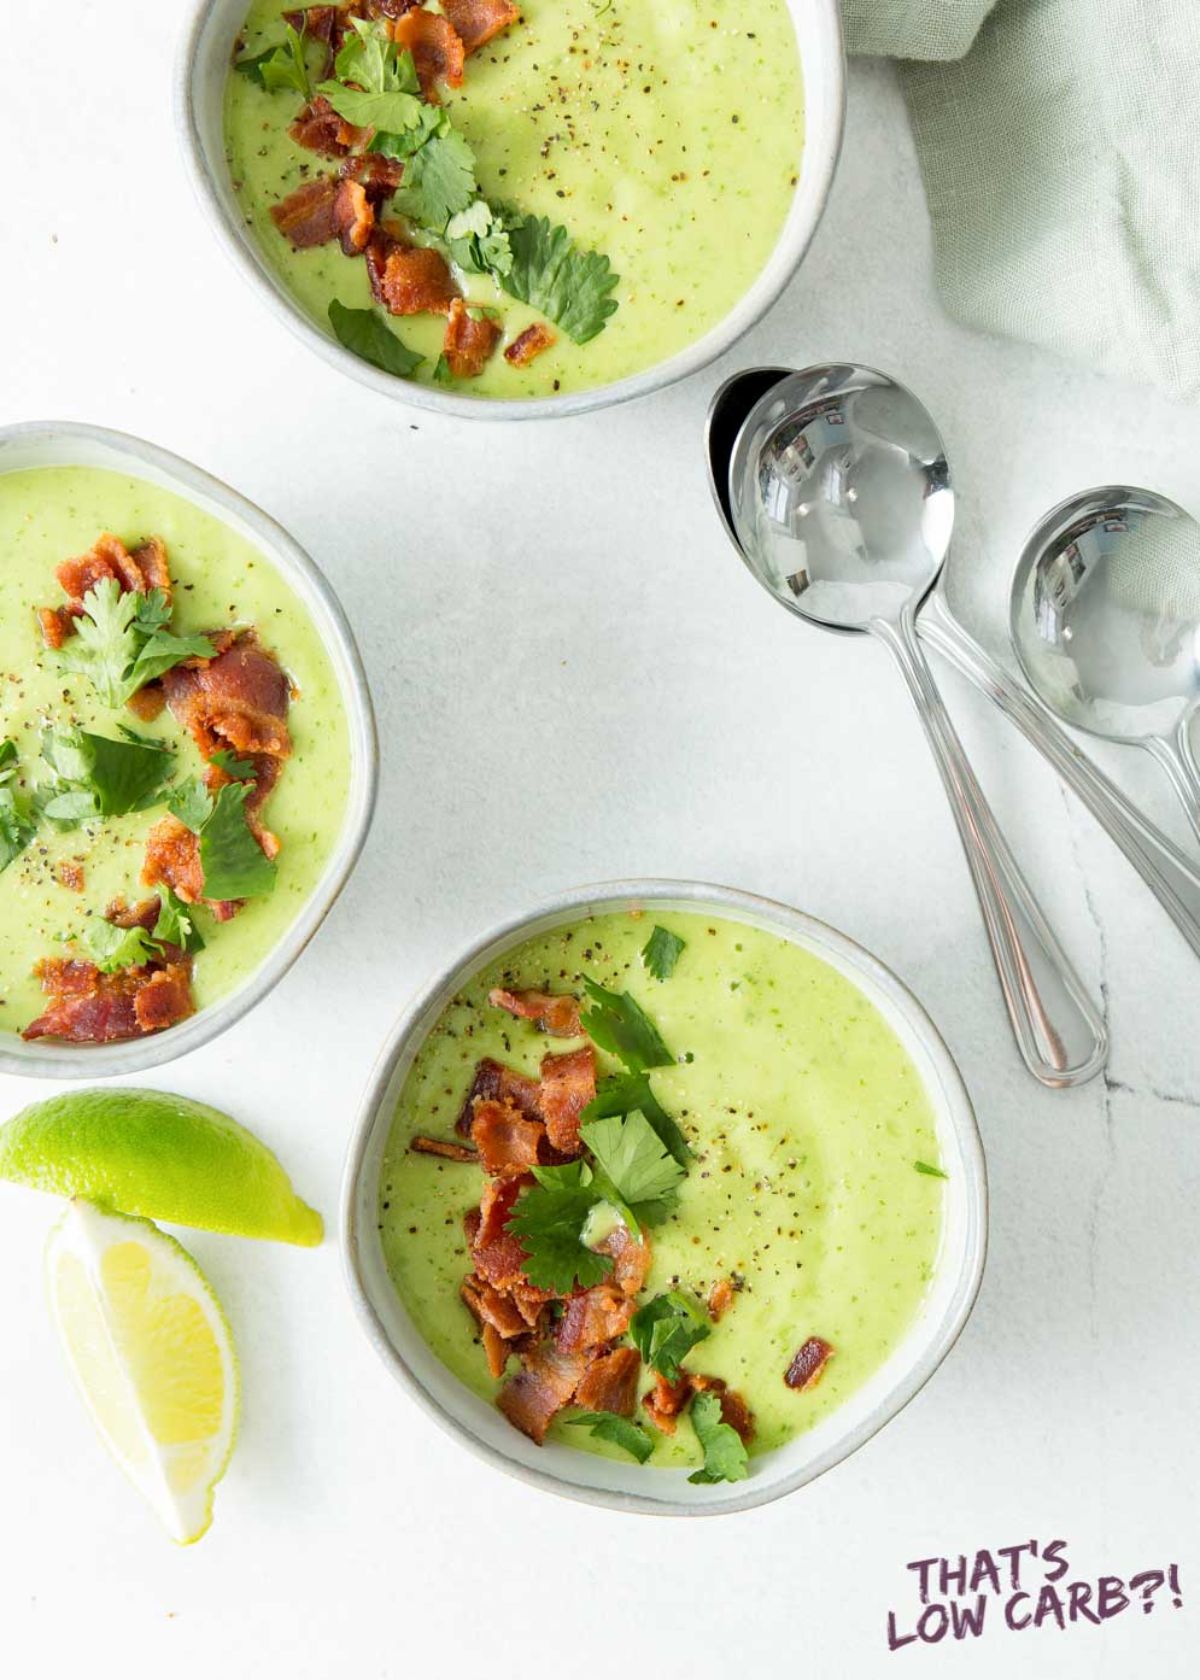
{"points": [[1171, 876], [1105, 618], [842, 506]]}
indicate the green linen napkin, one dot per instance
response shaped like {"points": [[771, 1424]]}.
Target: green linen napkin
{"points": [[1059, 141]]}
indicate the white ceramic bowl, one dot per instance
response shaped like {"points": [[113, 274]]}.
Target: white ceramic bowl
{"points": [[632, 1487], [200, 81], [66, 444]]}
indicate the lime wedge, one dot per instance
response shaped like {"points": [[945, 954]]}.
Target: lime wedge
{"points": [[161, 1156], [153, 1357]]}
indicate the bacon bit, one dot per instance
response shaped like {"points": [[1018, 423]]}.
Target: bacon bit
{"points": [[498, 1255], [531, 1400], [331, 208], [408, 279], [379, 175], [720, 1299], [150, 558], [57, 623], [437, 51], [734, 1410], [444, 1150], [529, 345], [147, 703], [666, 1400], [593, 1317], [107, 558], [497, 1202], [506, 1141], [568, 1086], [631, 1259], [70, 875], [88, 1007], [478, 21], [319, 129], [143, 914], [555, 1013], [489, 1307], [610, 1383], [497, 1083], [806, 1368], [468, 343], [495, 1350], [239, 700], [173, 860]]}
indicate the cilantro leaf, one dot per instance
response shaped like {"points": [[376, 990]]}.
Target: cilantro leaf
{"points": [[621, 1093], [176, 924], [930, 1172], [549, 1220], [191, 803], [391, 111], [619, 1025], [17, 825], [439, 178], [111, 947], [631, 1155], [370, 57], [666, 1329], [661, 952], [105, 642], [573, 287], [280, 66], [234, 864], [241, 769], [162, 652], [621, 1431], [477, 239], [99, 777], [364, 332], [441, 371], [725, 1456], [402, 145]]}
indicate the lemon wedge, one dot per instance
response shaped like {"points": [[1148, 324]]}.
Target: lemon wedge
{"points": [[152, 1354]]}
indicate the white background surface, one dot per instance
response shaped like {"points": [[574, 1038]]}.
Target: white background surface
{"points": [[575, 680]]}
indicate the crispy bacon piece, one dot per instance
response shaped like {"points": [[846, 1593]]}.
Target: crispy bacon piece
{"points": [[150, 558], [666, 1400], [70, 875], [468, 343], [568, 1086], [720, 1298], [507, 1142], [335, 207], [477, 21], [408, 279], [148, 702], [88, 1007], [320, 129], [498, 1083], [497, 1202], [489, 1307], [378, 175], [143, 914], [529, 345], [631, 1259], [495, 1350], [610, 1383], [498, 1255], [806, 1368], [173, 860], [239, 700], [531, 1399], [734, 1410], [437, 49], [57, 623], [555, 1013], [143, 570], [441, 1147], [593, 1317]]}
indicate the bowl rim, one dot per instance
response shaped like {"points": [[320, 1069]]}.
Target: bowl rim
{"points": [[824, 18], [294, 564], [809, 931]]}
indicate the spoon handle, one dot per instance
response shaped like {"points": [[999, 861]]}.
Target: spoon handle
{"points": [[1173, 880], [1058, 1030], [1177, 760]]}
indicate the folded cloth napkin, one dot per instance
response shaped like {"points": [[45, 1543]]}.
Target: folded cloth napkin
{"points": [[1059, 141]]}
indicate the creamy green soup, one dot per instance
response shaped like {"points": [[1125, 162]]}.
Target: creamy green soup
{"points": [[46, 516], [806, 1117], [665, 134]]}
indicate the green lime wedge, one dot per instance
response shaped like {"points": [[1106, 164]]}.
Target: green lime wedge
{"points": [[160, 1156]]}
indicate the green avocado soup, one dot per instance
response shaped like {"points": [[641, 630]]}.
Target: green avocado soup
{"points": [[46, 516], [806, 1119], [664, 134]]}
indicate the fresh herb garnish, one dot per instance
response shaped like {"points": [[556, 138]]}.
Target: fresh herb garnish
{"points": [[621, 1093], [632, 1161], [725, 1456], [439, 178], [176, 924], [370, 58], [621, 1431], [17, 825], [549, 1220], [932, 1172], [280, 66], [111, 946], [233, 862], [364, 332], [121, 641], [477, 239], [666, 1329], [99, 777], [442, 372], [619, 1025], [573, 287], [241, 769], [661, 952], [389, 111]]}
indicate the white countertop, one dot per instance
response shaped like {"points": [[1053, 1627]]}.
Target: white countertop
{"points": [[575, 681]]}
